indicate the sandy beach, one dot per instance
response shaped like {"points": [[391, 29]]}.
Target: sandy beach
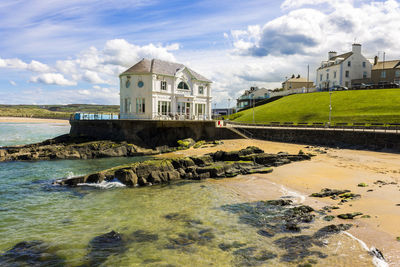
{"points": [[31, 120], [335, 169]]}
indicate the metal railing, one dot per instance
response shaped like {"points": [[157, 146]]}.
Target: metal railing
{"points": [[373, 126], [93, 116]]}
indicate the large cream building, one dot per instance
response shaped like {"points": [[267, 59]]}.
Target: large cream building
{"points": [[340, 70], [157, 89]]}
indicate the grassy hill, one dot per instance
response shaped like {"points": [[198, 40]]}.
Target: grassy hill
{"points": [[365, 106], [54, 111]]}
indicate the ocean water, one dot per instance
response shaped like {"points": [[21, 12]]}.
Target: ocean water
{"points": [[181, 224]]}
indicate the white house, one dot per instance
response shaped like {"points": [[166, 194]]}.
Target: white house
{"points": [[339, 70], [157, 89]]}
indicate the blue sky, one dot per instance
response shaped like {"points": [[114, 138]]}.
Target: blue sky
{"points": [[60, 52]]}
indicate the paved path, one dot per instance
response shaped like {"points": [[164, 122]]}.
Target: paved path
{"points": [[234, 125]]}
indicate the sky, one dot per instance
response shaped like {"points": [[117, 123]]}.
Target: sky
{"points": [[63, 52]]}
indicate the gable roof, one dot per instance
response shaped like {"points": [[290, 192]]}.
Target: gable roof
{"points": [[298, 80], [344, 56], [157, 66], [391, 64]]}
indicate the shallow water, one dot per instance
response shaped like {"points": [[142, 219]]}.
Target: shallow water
{"points": [[181, 224]]}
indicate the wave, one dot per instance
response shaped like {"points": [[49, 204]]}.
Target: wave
{"points": [[377, 259], [299, 198], [104, 184]]}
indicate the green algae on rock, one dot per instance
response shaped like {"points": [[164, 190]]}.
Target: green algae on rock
{"points": [[220, 164]]}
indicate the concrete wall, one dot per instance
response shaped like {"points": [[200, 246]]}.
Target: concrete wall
{"points": [[150, 133], [361, 140]]}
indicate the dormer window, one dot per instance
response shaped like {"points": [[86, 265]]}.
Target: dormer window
{"points": [[183, 85]]}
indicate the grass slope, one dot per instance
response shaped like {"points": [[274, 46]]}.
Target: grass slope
{"points": [[363, 106], [53, 111]]}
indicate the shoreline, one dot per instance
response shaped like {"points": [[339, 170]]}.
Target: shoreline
{"points": [[32, 120], [331, 168]]}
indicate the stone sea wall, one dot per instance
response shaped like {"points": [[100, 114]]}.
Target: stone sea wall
{"points": [[149, 133], [333, 138]]}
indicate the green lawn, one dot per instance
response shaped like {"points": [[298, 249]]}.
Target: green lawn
{"points": [[54, 111], [364, 106]]}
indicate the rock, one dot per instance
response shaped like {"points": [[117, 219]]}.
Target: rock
{"points": [[103, 246], [3, 154], [186, 143], [182, 163], [141, 236], [377, 253], [215, 170], [266, 232], [120, 151], [349, 216], [127, 177], [228, 246], [202, 161], [362, 185], [332, 229], [31, 253], [95, 178], [326, 192], [280, 202], [329, 218]]}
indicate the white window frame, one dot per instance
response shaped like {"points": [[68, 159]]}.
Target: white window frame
{"points": [[140, 105], [163, 85], [201, 90]]}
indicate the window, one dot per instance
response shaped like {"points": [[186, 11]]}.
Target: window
{"points": [[347, 74], [201, 90], [183, 85], [140, 105], [164, 107], [346, 84], [349, 64], [397, 74], [183, 108], [383, 74], [364, 74], [334, 74], [163, 85], [327, 76], [320, 77], [200, 109], [364, 64], [127, 105]]}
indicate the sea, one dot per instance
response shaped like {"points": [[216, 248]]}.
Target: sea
{"points": [[179, 224]]}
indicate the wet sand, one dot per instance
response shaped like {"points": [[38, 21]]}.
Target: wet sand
{"points": [[31, 120], [335, 169]]}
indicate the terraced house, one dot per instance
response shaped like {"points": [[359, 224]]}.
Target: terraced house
{"points": [[157, 89], [340, 70]]}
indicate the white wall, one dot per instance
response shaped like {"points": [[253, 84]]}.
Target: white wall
{"points": [[152, 93]]}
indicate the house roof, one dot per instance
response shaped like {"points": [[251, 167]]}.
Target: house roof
{"points": [[344, 56], [298, 80], [157, 66], [391, 64]]}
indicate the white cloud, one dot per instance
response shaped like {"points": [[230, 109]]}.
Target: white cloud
{"points": [[313, 31], [92, 77], [16, 63], [13, 83], [37, 66], [52, 78]]}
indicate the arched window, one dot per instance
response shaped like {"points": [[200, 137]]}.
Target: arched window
{"points": [[183, 85]]}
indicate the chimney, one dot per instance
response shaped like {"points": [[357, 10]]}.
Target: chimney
{"points": [[376, 60], [298, 76], [293, 76], [331, 54], [356, 48]]}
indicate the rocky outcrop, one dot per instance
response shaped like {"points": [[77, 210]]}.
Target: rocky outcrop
{"points": [[68, 147], [214, 165]]}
